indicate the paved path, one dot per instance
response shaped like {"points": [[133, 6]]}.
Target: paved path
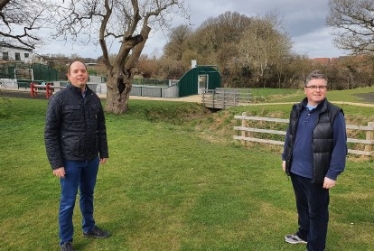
{"points": [[193, 98]]}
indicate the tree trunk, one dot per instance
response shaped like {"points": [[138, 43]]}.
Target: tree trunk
{"points": [[122, 72], [117, 103]]}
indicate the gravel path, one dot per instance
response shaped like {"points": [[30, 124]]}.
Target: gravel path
{"points": [[26, 94], [367, 97]]}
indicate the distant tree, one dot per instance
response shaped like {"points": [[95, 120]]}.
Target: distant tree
{"points": [[215, 36], [212, 43], [21, 21], [263, 47], [189, 55], [350, 72], [244, 48], [178, 42], [171, 68], [106, 22], [354, 23], [296, 68], [148, 67]]}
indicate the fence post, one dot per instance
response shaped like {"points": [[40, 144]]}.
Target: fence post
{"points": [[244, 124], [33, 90], [369, 136], [48, 90], [214, 93], [235, 93], [224, 99]]}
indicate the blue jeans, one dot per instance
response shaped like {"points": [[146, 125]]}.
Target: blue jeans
{"points": [[80, 174], [312, 203]]}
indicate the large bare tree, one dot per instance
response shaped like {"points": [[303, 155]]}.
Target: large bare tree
{"points": [[354, 23], [106, 22], [21, 21]]}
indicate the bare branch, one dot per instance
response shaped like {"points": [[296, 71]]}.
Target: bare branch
{"points": [[104, 23], [354, 25], [21, 20]]}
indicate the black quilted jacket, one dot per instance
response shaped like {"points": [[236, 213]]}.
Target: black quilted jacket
{"points": [[75, 127]]}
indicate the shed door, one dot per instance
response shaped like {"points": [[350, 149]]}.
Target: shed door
{"points": [[203, 83]]}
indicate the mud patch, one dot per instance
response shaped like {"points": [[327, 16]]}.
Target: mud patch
{"points": [[366, 97], [19, 94]]}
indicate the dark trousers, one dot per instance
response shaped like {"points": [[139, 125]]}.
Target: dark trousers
{"points": [[312, 202], [80, 174]]}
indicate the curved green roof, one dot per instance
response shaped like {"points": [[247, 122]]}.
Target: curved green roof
{"points": [[189, 83]]}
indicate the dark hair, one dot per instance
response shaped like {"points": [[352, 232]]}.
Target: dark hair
{"points": [[316, 74]]}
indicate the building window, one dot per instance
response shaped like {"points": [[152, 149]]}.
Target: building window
{"points": [[5, 56], [26, 55], [17, 56]]}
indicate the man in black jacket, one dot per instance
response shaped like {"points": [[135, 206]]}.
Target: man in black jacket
{"points": [[76, 143], [314, 155]]}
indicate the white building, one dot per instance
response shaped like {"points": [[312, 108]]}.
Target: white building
{"points": [[17, 54]]}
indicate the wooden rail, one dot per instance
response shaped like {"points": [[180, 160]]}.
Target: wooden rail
{"points": [[244, 130], [221, 98]]}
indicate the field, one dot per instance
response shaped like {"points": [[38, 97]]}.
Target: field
{"points": [[176, 180]]}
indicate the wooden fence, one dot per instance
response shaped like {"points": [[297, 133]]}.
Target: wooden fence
{"points": [[222, 98], [244, 130]]}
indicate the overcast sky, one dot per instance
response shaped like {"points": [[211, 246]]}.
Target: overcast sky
{"points": [[304, 21]]}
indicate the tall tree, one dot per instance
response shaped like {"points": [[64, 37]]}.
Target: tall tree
{"points": [[354, 23], [108, 21], [263, 47], [20, 22], [178, 42], [215, 35]]}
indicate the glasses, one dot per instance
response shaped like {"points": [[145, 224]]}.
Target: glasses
{"points": [[315, 87]]}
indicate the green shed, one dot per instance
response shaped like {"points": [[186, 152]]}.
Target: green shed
{"points": [[198, 80]]}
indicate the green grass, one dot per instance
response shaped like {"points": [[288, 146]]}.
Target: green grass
{"points": [[295, 95], [175, 180]]}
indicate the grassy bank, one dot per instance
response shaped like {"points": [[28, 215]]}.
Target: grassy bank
{"points": [[174, 181]]}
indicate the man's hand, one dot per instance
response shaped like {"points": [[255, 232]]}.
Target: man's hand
{"points": [[59, 172], [103, 160], [284, 165], [328, 183]]}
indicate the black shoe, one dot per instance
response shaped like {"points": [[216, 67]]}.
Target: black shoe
{"points": [[96, 233], [67, 247]]}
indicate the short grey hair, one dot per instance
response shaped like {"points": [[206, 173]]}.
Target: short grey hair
{"points": [[316, 74]]}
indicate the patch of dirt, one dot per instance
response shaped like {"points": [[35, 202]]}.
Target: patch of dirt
{"points": [[19, 94], [26, 94], [366, 97]]}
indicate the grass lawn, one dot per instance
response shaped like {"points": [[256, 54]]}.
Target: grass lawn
{"points": [[295, 95], [175, 180]]}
